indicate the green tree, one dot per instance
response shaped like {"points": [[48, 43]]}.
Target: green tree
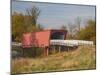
{"points": [[89, 32], [25, 23], [17, 26]]}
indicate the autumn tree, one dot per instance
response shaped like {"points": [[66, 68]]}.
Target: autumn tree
{"points": [[89, 31], [25, 23], [17, 26]]}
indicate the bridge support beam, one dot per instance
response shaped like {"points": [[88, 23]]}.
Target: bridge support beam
{"points": [[54, 49], [59, 49], [46, 51]]}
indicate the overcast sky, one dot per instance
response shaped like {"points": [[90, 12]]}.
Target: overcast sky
{"points": [[56, 15]]}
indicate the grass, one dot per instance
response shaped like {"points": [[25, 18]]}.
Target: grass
{"points": [[81, 58]]}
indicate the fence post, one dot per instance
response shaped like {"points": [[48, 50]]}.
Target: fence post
{"points": [[59, 49], [54, 49], [46, 51]]}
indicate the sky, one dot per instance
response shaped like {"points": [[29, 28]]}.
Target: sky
{"points": [[53, 16]]}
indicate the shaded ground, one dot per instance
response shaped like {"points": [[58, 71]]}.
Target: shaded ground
{"points": [[81, 58]]}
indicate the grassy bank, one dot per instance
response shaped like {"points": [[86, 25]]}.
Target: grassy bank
{"points": [[81, 58]]}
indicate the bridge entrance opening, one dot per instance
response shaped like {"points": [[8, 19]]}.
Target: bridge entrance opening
{"points": [[58, 36]]}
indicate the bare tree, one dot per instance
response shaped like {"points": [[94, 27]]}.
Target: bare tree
{"points": [[63, 27], [78, 23], [33, 13], [71, 28]]}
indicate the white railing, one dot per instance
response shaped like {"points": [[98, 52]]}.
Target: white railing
{"points": [[70, 42], [16, 44], [63, 43]]}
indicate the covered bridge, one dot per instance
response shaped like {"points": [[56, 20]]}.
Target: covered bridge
{"points": [[42, 38]]}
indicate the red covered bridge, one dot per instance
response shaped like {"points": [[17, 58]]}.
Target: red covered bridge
{"points": [[42, 38]]}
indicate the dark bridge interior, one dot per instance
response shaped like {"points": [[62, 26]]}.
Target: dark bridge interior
{"points": [[58, 35]]}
